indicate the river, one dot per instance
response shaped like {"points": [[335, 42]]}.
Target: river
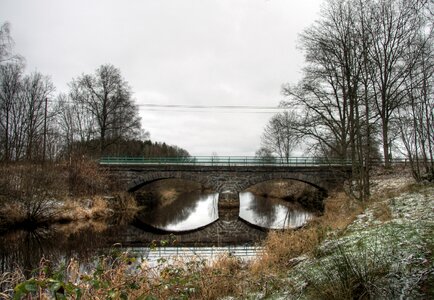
{"points": [[191, 220]]}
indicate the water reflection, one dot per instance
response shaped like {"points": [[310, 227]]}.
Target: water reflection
{"points": [[25, 248], [271, 212], [189, 211]]}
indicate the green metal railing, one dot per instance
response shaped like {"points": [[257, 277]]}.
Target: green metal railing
{"points": [[224, 161]]}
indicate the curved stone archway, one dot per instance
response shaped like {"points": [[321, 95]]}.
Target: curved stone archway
{"points": [[221, 182], [311, 180], [148, 178]]}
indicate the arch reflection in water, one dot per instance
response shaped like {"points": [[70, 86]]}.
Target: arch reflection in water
{"points": [[189, 211], [271, 212]]}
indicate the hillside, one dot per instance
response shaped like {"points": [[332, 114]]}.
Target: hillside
{"points": [[385, 253]]}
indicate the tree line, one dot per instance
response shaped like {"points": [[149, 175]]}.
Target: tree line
{"points": [[96, 117], [367, 88]]}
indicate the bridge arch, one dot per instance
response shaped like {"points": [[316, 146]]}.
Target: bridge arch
{"points": [[308, 179], [148, 178], [219, 182]]}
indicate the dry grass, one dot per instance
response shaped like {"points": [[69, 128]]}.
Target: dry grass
{"points": [[93, 212], [168, 196], [340, 210], [224, 276], [280, 189], [84, 209], [76, 227], [382, 211], [281, 247], [11, 213], [119, 277], [35, 194]]}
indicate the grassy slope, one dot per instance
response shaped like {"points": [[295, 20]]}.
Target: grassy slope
{"points": [[386, 253]]}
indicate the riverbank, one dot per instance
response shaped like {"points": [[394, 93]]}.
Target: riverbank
{"points": [[385, 253], [38, 195], [79, 210]]}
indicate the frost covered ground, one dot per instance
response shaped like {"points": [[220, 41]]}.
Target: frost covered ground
{"points": [[386, 253]]}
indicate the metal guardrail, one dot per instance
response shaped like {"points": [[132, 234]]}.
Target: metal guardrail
{"points": [[224, 161], [237, 161]]}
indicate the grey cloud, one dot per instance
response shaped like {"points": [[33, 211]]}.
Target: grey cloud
{"points": [[215, 52]]}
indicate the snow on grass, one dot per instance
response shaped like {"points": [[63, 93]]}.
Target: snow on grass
{"points": [[383, 259]]}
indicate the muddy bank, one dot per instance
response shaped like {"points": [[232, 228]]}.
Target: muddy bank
{"points": [[292, 191], [16, 214], [165, 192]]}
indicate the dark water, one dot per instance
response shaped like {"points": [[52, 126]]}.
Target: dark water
{"points": [[189, 211], [271, 212], [25, 248]]}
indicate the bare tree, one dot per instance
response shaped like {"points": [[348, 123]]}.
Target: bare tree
{"points": [[107, 97], [328, 94], [265, 155], [76, 125], [395, 27], [36, 90], [279, 136], [416, 120], [10, 85], [360, 56], [24, 113]]}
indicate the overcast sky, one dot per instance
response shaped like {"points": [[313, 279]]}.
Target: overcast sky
{"points": [[182, 52]]}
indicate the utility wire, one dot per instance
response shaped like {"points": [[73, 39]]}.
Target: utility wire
{"points": [[211, 111], [184, 108], [209, 106], [253, 109]]}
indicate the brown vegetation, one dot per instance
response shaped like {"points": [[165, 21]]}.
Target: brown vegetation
{"points": [[279, 188], [40, 194], [291, 190], [282, 247], [164, 192]]}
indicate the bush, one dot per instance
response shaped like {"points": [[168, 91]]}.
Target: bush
{"points": [[85, 177], [29, 193]]}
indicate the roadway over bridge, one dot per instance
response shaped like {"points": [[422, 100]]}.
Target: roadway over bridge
{"points": [[227, 174]]}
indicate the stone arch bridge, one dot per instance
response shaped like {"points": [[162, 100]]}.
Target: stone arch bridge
{"points": [[226, 179], [233, 179]]}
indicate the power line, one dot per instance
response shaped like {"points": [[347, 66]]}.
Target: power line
{"points": [[249, 109], [211, 111], [185, 108], [210, 106]]}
